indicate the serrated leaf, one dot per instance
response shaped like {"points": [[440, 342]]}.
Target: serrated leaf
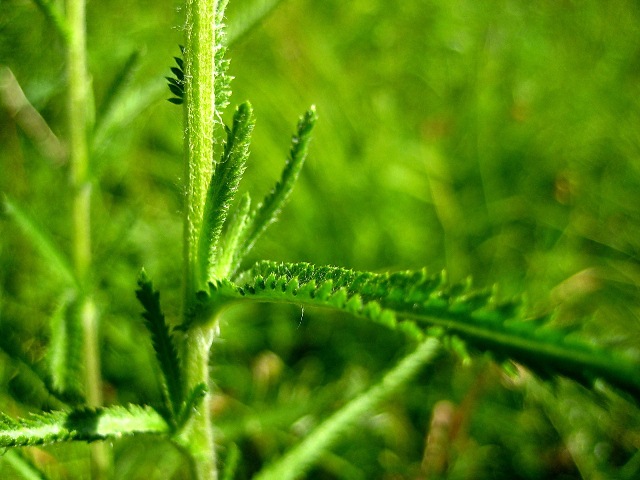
{"points": [[414, 303], [267, 212], [80, 424], [163, 344], [222, 189]]}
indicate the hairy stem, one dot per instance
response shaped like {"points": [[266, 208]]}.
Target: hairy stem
{"points": [[199, 124], [79, 124], [200, 114], [197, 435]]}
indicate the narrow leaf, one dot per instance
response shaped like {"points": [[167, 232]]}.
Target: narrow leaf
{"points": [[222, 188], [232, 238], [81, 424], [267, 212], [299, 459], [190, 403], [40, 239], [163, 344], [23, 465], [116, 92], [64, 356], [249, 17], [415, 302], [55, 16]]}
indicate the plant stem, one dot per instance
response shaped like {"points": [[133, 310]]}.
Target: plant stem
{"points": [[197, 436], [200, 113], [199, 120], [79, 124]]}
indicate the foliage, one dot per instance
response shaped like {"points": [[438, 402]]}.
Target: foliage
{"points": [[456, 138]]}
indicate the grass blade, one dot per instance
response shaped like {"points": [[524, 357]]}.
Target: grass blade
{"points": [[41, 240], [298, 460]]}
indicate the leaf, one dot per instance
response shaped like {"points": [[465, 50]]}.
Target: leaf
{"points": [[177, 84], [116, 92], [222, 188], [222, 80], [23, 465], [80, 424], [191, 402], [232, 237], [415, 302], [163, 344], [55, 16], [299, 459], [267, 212], [249, 17], [64, 355], [41, 240]]}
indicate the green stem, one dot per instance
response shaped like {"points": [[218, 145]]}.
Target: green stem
{"points": [[200, 114], [199, 120], [197, 436], [79, 125]]}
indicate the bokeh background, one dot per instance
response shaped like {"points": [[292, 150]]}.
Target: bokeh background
{"points": [[496, 139]]}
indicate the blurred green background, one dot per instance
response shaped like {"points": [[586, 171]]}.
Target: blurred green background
{"points": [[497, 139]]}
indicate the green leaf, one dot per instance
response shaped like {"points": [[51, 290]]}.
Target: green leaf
{"points": [[190, 403], [232, 238], [222, 80], [55, 16], [231, 462], [222, 188], [23, 465], [249, 17], [80, 424], [177, 84], [41, 240], [116, 91], [300, 458], [415, 301], [64, 356], [163, 344], [267, 212]]}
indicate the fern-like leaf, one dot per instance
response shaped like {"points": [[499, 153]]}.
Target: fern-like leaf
{"points": [[163, 344], [190, 403], [298, 460], [81, 424], [176, 83], [222, 188], [416, 302], [267, 212], [222, 80]]}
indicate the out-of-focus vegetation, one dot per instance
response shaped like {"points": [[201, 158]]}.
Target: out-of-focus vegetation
{"points": [[495, 139]]}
